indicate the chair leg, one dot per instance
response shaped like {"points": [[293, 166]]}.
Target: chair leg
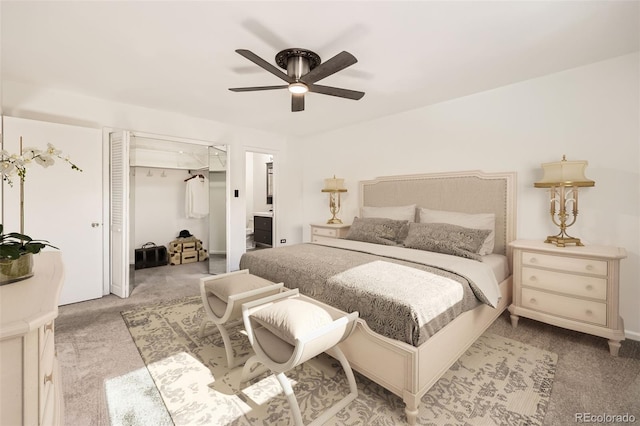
{"points": [[203, 326], [291, 397], [227, 345], [231, 362], [246, 373], [353, 389]]}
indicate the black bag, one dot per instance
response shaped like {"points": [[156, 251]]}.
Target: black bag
{"points": [[151, 255]]}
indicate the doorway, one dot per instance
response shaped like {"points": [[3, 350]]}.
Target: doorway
{"points": [[260, 198]]}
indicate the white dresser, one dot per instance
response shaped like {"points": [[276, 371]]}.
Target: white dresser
{"points": [[326, 230], [30, 384], [571, 287]]}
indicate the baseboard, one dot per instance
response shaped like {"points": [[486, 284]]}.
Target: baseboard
{"points": [[632, 335]]}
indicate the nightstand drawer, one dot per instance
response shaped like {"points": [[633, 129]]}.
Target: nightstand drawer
{"points": [[580, 310], [567, 264], [575, 285], [322, 231], [325, 232]]}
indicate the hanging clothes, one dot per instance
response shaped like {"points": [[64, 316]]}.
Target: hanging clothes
{"points": [[197, 197]]}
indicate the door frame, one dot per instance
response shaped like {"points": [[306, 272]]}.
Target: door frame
{"points": [[274, 154], [107, 194]]}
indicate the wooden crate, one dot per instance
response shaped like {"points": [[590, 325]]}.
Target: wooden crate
{"points": [[189, 256], [185, 244]]}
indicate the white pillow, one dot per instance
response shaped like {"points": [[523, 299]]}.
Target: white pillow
{"points": [[395, 212], [473, 221], [293, 318]]}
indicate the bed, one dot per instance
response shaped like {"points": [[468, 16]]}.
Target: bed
{"points": [[409, 362]]}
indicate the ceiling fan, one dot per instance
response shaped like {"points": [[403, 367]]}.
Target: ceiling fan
{"points": [[304, 69]]}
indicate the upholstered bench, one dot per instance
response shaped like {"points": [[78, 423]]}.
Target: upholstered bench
{"points": [[223, 296], [287, 329]]}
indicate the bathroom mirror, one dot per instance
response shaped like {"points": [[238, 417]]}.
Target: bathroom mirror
{"points": [[270, 183]]}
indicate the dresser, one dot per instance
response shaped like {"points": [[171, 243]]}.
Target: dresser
{"points": [[30, 383], [326, 230], [571, 287], [263, 230]]}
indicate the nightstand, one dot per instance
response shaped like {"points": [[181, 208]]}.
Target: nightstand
{"points": [[571, 287], [325, 230]]}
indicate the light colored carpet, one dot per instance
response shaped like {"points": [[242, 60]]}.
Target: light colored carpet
{"points": [[497, 381]]}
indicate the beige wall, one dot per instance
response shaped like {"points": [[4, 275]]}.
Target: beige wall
{"points": [[588, 113]]}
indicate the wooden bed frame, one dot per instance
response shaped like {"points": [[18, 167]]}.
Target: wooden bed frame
{"points": [[410, 371]]}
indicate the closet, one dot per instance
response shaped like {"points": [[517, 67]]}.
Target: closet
{"points": [[174, 185]]}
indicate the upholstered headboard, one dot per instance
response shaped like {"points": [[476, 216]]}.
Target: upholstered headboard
{"points": [[466, 192]]}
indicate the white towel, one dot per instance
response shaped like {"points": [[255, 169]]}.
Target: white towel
{"points": [[197, 198]]}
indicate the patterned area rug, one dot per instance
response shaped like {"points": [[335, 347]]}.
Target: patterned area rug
{"points": [[497, 381]]}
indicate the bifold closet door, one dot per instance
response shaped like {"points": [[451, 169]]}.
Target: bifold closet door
{"points": [[119, 213]]}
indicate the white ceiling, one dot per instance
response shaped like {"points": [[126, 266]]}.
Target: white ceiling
{"points": [[180, 56]]}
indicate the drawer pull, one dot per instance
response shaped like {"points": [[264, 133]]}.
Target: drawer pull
{"points": [[533, 260], [589, 287], [48, 378], [533, 278], [533, 301], [589, 267], [589, 312]]}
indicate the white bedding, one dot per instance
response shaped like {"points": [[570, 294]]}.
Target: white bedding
{"points": [[437, 293], [482, 274], [499, 264]]}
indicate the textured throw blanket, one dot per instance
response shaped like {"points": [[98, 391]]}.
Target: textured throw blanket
{"points": [[315, 269], [386, 294]]}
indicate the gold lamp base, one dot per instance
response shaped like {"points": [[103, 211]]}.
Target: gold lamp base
{"points": [[334, 205], [561, 241]]}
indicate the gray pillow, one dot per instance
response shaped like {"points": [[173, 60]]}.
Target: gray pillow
{"points": [[447, 239], [377, 230]]}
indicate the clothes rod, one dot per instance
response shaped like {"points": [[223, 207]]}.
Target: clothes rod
{"points": [[173, 139], [167, 168]]}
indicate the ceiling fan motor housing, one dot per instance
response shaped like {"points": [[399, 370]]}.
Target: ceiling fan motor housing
{"points": [[297, 62], [304, 69]]}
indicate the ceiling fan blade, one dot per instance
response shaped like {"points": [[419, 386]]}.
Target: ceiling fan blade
{"points": [[253, 89], [336, 91], [339, 62], [264, 33], [264, 64], [297, 102]]}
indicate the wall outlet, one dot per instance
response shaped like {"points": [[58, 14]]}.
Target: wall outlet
{"points": [[283, 241]]}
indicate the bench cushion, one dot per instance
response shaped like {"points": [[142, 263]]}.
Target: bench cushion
{"points": [[290, 319], [234, 284]]}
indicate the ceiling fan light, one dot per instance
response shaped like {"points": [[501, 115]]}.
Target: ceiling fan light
{"points": [[298, 88]]}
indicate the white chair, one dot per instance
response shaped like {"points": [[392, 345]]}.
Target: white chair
{"points": [[286, 330], [223, 296]]}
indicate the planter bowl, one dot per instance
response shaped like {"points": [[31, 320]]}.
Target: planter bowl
{"points": [[12, 270]]}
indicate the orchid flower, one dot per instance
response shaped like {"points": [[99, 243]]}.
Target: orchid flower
{"points": [[13, 164]]}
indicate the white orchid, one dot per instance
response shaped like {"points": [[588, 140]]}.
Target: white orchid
{"points": [[13, 164]]}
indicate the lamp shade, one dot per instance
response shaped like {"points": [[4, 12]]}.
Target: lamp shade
{"points": [[564, 173], [334, 185]]}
